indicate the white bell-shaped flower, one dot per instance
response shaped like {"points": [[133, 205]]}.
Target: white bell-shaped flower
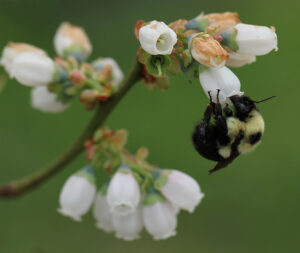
{"points": [[33, 69], [255, 40], [123, 193], [128, 227], [77, 194], [117, 74], [160, 220], [181, 190], [239, 60], [71, 40], [223, 79], [12, 50], [157, 38], [176, 209], [44, 100], [102, 213]]}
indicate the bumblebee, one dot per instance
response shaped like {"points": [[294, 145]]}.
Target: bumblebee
{"points": [[230, 133]]}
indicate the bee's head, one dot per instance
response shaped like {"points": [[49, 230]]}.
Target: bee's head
{"points": [[243, 106]]}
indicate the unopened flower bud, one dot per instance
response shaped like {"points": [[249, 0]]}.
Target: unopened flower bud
{"points": [[102, 213], [223, 79], [222, 21], [128, 227], [71, 40], [78, 194], [239, 60], [178, 25], [181, 190], [88, 96], [44, 100], [77, 78], [157, 38], [137, 27], [250, 39], [116, 72], [215, 21], [159, 217], [62, 63], [123, 194], [34, 69], [12, 50], [206, 50]]}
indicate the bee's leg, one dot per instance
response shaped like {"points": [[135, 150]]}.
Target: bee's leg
{"points": [[210, 98], [218, 93], [227, 111], [217, 107], [201, 129], [207, 114], [209, 110], [220, 122], [234, 154]]}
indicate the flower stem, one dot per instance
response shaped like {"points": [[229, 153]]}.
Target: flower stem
{"points": [[22, 185]]}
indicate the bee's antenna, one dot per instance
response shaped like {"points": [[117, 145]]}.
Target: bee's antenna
{"points": [[264, 100]]}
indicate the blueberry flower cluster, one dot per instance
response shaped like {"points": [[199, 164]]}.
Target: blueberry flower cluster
{"points": [[132, 194], [55, 82], [136, 195], [204, 48]]}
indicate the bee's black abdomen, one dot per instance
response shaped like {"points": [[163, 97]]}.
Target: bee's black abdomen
{"points": [[204, 139]]}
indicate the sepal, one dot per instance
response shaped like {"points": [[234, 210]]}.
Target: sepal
{"points": [[229, 39], [158, 65], [153, 196], [198, 23]]}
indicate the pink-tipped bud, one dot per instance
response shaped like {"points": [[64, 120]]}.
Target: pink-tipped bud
{"points": [[77, 78]]}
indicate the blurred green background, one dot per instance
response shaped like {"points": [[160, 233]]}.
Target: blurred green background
{"points": [[251, 206]]}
